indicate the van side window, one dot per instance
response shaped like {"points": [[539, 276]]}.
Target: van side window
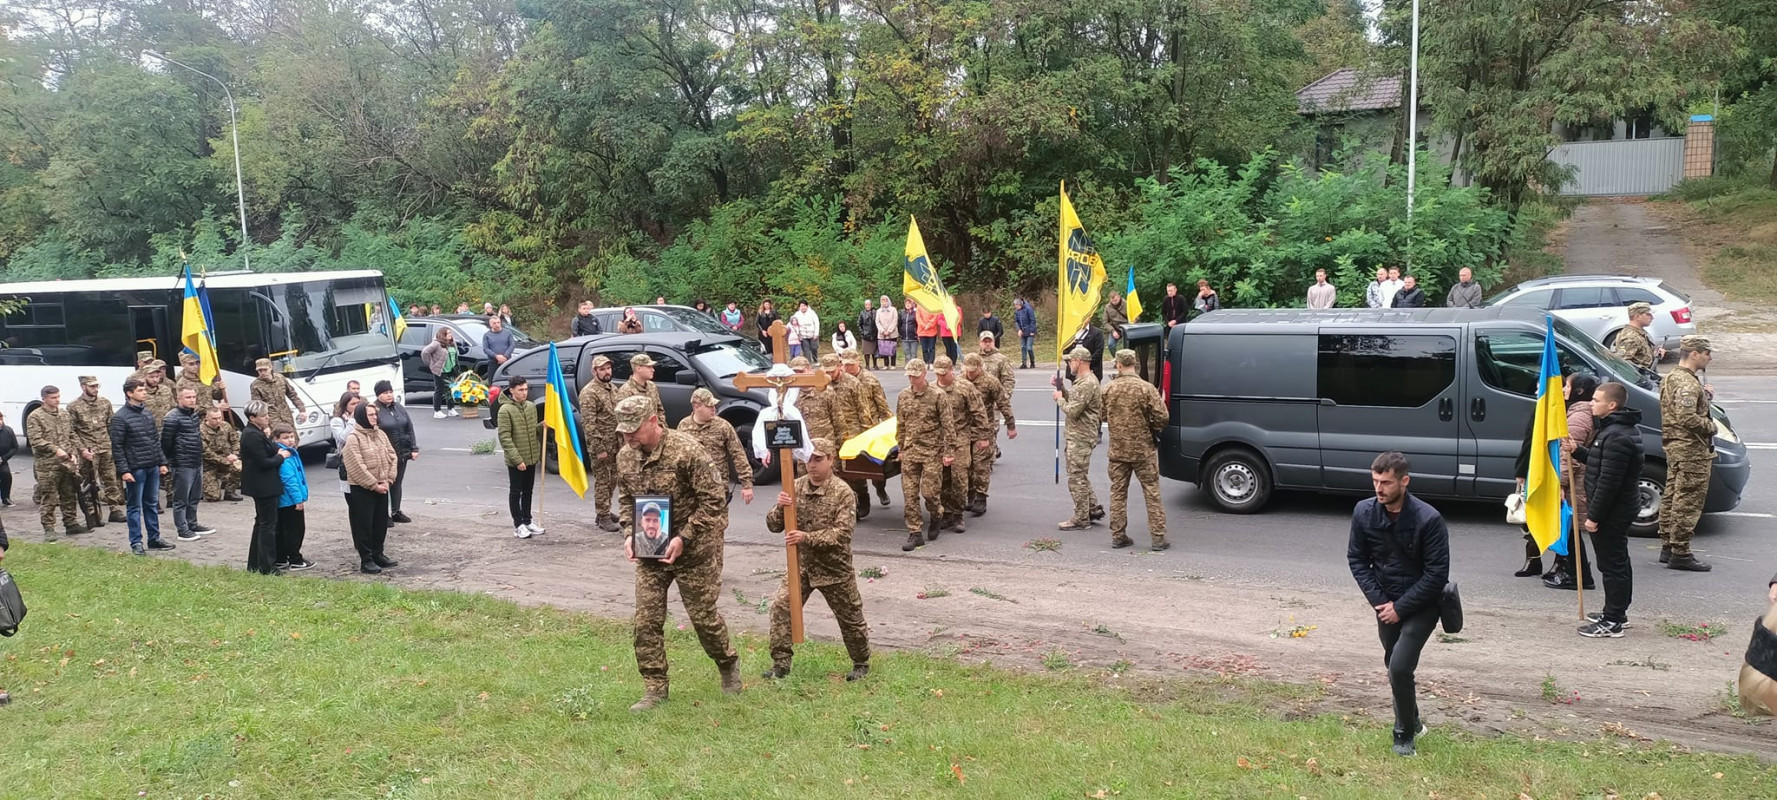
{"points": [[1391, 371], [1512, 361]]}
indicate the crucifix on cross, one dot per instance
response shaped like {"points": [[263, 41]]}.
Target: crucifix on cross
{"points": [[782, 379]]}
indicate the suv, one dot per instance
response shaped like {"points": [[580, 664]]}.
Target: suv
{"points": [[468, 329], [1599, 305], [683, 362], [661, 319]]}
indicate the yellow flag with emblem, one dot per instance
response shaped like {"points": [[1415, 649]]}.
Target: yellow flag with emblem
{"points": [[920, 282], [1082, 278]]}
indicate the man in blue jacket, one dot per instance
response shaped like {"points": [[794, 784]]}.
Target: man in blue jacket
{"points": [[1400, 556], [1025, 319]]}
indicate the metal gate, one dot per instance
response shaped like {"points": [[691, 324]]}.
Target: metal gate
{"points": [[1623, 167]]}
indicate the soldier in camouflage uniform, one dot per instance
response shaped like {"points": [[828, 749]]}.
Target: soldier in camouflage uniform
{"points": [[277, 393], [53, 454], [1633, 343], [658, 461], [998, 403], [964, 411], [222, 455], [90, 419], [1688, 436], [598, 425], [872, 409], [189, 379], [996, 364], [1083, 407], [1135, 415], [160, 400], [926, 444], [719, 439], [848, 398], [143, 359], [641, 383], [824, 522]]}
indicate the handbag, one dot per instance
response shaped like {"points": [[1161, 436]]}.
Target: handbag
{"points": [[333, 461], [1515, 508], [12, 605]]}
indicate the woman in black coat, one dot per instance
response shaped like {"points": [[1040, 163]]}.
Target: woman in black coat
{"points": [[260, 460]]}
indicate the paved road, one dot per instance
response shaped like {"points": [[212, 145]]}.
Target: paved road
{"points": [[1298, 542]]}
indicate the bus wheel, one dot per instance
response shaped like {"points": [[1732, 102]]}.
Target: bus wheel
{"points": [[1237, 481]]}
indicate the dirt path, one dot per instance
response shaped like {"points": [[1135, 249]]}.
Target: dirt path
{"points": [[1630, 236], [1155, 615]]}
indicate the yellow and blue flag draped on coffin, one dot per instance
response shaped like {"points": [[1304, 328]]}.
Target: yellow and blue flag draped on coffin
{"points": [[195, 329], [1544, 512], [920, 282], [1082, 277], [875, 444], [558, 416], [1131, 301]]}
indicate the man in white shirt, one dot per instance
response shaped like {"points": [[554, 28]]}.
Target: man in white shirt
{"points": [[808, 326], [1392, 286]]}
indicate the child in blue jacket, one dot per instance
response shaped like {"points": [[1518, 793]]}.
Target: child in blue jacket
{"points": [[291, 527]]}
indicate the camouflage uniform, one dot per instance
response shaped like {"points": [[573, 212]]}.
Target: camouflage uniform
{"points": [[90, 420], [1083, 408], [635, 388], [160, 402], [823, 412], [278, 393], [1135, 414], [852, 403], [872, 409], [206, 393], [57, 481], [825, 516], [598, 424], [719, 440], [1635, 347], [679, 468], [998, 403], [220, 474], [1000, 368], [964, 412], [1688, 436], [923, 439]]}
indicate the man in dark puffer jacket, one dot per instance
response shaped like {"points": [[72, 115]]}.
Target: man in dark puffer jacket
{"points": [[135, 447], [182, 440], [1613, 467]]}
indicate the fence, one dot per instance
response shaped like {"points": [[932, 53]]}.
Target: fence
{"points": [[1622, 167]]}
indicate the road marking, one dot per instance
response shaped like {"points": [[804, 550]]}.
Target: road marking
{"points": [[1752, 514], [456, 449], [1742, 402], [1761, 445]]}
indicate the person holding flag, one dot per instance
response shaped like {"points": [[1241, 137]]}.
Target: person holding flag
{"points": [[1080, 285], [196, 331], [1543, 508], [523, 446], [558, 417]]}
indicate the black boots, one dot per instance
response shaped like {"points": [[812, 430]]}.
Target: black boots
{"points": [[977, 505], [1533, 560], [1687, 563]]}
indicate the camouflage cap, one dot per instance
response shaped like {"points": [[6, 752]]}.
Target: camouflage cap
{"points": [[641, 360], [188, 358], [985, 335], [651, 508], [144, 356], [1637, 309], [799, 362], [851, 357], [942, 365], [1126, 358], [829, 361], [264, 363], [600, 360], [632, 412], [89, 380], [972, 361], [824, 447], [156, 365], [703, 397], [1079, 354], [1694, 343], [915, 367]]}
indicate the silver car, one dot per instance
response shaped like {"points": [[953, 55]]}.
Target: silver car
{"points": [[1599, 304]]}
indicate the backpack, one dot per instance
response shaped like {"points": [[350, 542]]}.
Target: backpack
{"points": [[12, 606]]}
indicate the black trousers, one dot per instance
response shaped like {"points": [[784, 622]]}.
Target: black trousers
{"points": [[520, 484], [1401, 645], [395, 488], [1612, 549], [262, 549], [441, 398], [292, 528], [369, 511], [5, 480]]}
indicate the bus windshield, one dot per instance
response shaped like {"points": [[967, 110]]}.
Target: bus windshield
{"points": [[321, 325]]}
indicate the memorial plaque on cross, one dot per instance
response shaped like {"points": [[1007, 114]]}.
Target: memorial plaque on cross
{"points": [[783, 379]]}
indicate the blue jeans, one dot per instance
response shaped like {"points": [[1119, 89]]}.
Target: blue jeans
{"points": [[909, 348], [143, 494], [795, 350], [188, 489], [928, 347], [1027, 348]]}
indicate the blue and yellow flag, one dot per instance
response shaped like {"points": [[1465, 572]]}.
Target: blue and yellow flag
{"points": [[395, 311], [195, 330], [1082, 277], [1543, 512], [1131, 302], [874, 444], [558, 416], [920, 282]]}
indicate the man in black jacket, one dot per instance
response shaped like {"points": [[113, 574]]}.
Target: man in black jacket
{"points": [[1173, 308], [585, 324], [1400, 555], [1410, 295], [135, 448], [182, 441], [1613, 468]]}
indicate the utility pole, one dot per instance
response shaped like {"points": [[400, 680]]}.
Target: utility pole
{"points": [[234, 127]]}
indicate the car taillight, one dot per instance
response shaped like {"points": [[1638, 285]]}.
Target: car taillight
{"points": [[1682, 316], [1166, 378], [493, 395]]}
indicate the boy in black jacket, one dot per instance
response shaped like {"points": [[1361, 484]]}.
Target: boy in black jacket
{"points": [[1400, 555], [1613, 466]]}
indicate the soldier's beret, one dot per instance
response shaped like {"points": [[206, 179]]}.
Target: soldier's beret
{"points": [[942, 365], [1126, 358], [89, 380], [1637, 309], [1694, 343], [599, 361], [829, 361], [1079, 354], [641, 360], [703, 397], [914, 367], [972, 360], [824, 447], [632, 412]]}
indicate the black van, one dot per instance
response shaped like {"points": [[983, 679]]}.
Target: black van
{"points": [[1296, 399]]}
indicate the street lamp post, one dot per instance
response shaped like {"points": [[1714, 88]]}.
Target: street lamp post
{"points": [[234, 126], [1412, 130]]}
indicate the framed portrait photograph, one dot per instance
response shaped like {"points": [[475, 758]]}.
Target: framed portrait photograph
{"points": [[653, 526]]}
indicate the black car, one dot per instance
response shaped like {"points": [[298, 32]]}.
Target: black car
{"points": [[683, 362], [468, 330], [665, 319]]}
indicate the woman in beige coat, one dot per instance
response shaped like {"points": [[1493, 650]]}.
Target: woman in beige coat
{"points": [[370, 464]]}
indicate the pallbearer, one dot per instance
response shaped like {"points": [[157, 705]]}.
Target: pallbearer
{"points": [[824, 523]]}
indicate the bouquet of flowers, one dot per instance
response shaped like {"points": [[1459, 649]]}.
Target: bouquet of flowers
{"points": [[469, 390]]}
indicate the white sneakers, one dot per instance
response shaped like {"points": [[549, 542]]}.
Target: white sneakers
{"points": [[527, 531], [438, 415], [536, 530], [455, 413]]}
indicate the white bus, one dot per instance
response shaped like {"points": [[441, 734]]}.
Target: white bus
{"points": [[321, 329]]}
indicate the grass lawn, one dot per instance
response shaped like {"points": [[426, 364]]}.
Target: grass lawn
{"points": [[152, 676], [1740, 214]]}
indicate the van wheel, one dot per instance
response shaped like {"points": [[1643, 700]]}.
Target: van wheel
{"points": [[1237, 481], [1647, 500]]}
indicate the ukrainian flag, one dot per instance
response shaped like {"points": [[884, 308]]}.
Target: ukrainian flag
{"points": [[195, 330], [1543, 509], [395, 311], [1082, 277], [920, 282], [875, 444], [1131, 301], [558, 416]]}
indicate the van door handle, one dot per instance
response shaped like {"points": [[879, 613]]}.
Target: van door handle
{"points": [[1477, 409], [1446, 409]]}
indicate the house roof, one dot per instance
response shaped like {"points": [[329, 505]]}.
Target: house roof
{"points": [[1349, 89]]}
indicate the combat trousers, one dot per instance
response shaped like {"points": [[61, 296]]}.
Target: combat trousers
{"points": [[219, 479], [101, 472], [920, 479], [1681, 505], [604, 482], [848, 610], [955, 491], [1148, 472], [981, 470], [700, 587], [1079, 478], [57, 488]]}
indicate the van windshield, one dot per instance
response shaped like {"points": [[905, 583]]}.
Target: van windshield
{"points": [[1620, 370]]}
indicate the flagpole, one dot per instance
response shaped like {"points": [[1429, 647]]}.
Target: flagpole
{"points": [[543, 439], [1577, 546]]}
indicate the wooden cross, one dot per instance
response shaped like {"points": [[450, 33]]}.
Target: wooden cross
{"points": [[783, 383]]}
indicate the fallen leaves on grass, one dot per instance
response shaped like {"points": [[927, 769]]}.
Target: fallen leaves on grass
{"points": [[1700, 632], [957, 770]]}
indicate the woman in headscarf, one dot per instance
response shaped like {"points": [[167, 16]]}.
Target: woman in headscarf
{"points": [[260, 460], [370, 466], [341, 423]]}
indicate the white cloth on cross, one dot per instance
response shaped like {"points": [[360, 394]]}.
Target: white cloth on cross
{"points": [[769, 414]]}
